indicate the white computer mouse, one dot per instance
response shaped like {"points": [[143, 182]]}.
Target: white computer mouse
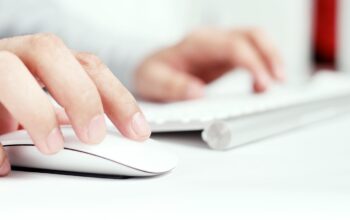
{"points": [[115, 156]]}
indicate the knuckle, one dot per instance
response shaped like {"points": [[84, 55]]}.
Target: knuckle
{"points": [[44, 41], [240, 52], [93, 63], [89, 59], [256, 32]]}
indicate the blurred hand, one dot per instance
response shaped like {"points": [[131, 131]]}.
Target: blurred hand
{"points": [[79, 82], [181, 71]]}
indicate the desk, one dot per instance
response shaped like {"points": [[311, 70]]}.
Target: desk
{"points": [[304, 173]]}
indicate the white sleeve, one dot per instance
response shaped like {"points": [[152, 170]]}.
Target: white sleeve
{"points": [[121, 53]]}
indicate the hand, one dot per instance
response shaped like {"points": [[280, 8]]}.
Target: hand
{"points": [[181, 71], [79, 82]]}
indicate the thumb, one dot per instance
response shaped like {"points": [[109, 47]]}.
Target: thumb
{"points": [[160, 82]]}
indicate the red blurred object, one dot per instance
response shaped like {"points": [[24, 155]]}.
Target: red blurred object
{"points": [[325, 33]]}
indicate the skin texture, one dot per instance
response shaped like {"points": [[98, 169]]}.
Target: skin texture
{"points": [[79, 82], [180, 72], [86, 88]]}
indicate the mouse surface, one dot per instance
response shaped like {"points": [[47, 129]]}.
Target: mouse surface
{"points": [[116, 155]]}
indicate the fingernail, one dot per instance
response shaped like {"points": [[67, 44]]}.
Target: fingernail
{"points": [[55, 141], [195, 90], [97, 129], [140, 126]]}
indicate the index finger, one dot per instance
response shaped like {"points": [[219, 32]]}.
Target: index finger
{"points": [[268, 51], [48, 58], [118, 103]]}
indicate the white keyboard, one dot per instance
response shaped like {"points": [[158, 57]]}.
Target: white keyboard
{"points": [[229, 120]]}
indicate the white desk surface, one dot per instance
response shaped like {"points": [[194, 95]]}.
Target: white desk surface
{"points": [[297, 175]]}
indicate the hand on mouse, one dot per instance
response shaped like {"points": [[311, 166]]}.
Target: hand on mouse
{"points": [[79, 82], [181, 71]]}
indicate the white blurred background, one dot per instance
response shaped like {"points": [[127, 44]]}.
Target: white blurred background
{"points": [[288, 22]]}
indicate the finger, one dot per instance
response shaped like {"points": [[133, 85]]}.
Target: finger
{"points": [[62, 116], [28, 104], [65, 79], [159, 82], [119, 104], [268, 52], [5, 166], [242, 54], [7, 122]]}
